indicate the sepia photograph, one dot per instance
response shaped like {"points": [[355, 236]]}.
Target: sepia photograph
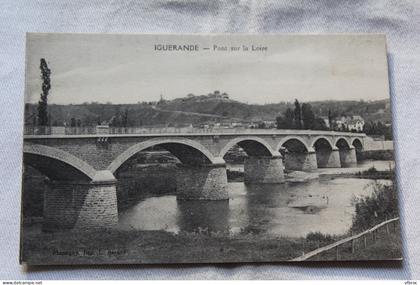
{"points": [[157, 149]]}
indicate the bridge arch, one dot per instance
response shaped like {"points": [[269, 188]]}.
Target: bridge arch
{"points": [[299, 143], [323, 142], [253, 146], [357, 143], [298, 155], [343, 143], [186, 150], [56, 163], [347, 152]]}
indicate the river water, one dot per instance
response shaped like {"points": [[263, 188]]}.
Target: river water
{"points": [[289, 210]]}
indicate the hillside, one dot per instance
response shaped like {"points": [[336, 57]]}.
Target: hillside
{"points": [[138, 114], [198, 110], [370, 111]]}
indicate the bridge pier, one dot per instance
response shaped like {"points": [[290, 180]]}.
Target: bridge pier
{"points": [[328, 158], [348, 157], [202, 182], [81, 204], [300, 161], [263, 170]]}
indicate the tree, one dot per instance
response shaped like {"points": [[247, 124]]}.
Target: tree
{"points": [[46, 86], [280, 122], [308, 117], [330, 119], [289, 118], [319, 124], [378, 129], [72, 122], [124, 119], [115, 121], [298, 115], [261, 125], [34, 120]]}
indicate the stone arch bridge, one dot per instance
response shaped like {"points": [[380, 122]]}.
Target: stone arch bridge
{"points": [[81, 168]]}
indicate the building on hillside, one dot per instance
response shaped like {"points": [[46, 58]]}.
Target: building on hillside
{"points": [[270, 124], [225, 96], [351, 123], [326, 121], [217, 95], [356, 123]]}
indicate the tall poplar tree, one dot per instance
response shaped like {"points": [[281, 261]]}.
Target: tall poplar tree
{"points": [[298, 115], [46, 86], [308, 117]]}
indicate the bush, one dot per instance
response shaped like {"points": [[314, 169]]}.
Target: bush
{"points": [[372, 210], [318, 236]]}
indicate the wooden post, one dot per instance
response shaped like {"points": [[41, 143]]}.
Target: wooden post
{"points": [[318, 245], [353, 245], [365, 241], [387, 229]]}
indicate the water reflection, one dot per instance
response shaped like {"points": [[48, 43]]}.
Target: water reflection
{"points": [[211, 216], [267, 209]]}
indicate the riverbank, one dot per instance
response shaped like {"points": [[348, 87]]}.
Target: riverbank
{"points": [[385, 246], [384, 242], [158, 247], [154, 247], [237, 175], [371, 173]]}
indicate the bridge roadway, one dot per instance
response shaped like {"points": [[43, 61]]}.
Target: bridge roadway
{"points": [[82, 168]]}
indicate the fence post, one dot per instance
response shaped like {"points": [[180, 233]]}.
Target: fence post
{"points": [[353, 245], [365, 241]]}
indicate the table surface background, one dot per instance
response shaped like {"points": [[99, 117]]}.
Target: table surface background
{"points": [[399, 20]]}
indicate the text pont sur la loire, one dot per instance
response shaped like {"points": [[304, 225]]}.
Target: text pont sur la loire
{"points": [[188, 47]]}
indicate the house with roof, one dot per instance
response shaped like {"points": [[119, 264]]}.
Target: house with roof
{"points": [[351, 123]]}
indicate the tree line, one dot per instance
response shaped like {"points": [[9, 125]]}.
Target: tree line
{"points": [[378, 129], [301, 117]]}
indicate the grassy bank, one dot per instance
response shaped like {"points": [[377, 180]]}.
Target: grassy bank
{"points": [[373, 173], [370, 211], [147, 247], [387, 246], [378, 154]]}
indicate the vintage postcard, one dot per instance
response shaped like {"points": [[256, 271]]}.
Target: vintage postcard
{"points": [[157, 149]]}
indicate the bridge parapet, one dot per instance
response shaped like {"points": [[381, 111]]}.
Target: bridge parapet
{"points": [[134, 131]]}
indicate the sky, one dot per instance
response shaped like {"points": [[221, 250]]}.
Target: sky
{"points": [[127, 68]]}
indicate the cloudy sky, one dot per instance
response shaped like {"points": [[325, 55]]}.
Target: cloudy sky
{"points": [[127, 69]]}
